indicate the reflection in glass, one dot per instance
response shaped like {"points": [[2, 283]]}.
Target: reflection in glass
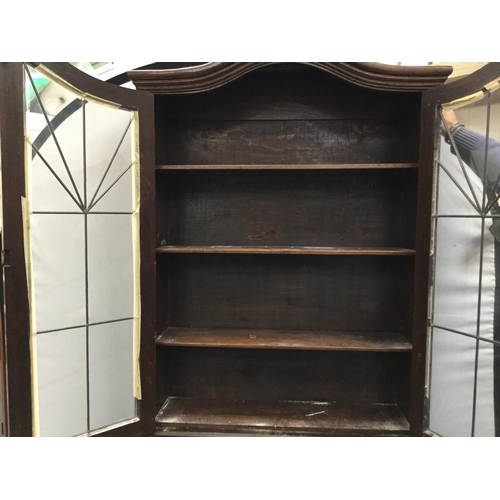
{"points": [[466, 258]]}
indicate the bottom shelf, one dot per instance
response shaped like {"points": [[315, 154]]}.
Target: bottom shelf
{"points": [[199, 416]]}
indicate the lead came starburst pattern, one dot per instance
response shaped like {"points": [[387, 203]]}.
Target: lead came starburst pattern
{"points": [[462, 255], [80, 182]]}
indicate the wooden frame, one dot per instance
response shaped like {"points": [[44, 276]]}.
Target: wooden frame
{"points": [[424, 81], [207, 78], [16, 294], [213, 75], [17, 320]]}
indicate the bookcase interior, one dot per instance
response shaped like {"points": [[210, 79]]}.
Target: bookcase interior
{"points": [[285, 216]]}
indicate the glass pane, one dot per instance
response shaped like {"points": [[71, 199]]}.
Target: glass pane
{"points": [[62, 382], [475, 119], [109, 158], [485, 403], [81, 203], [452, 383], [454, 200], [467, 272], [473, 153], [58, 255], [111, 374], [94, 69], [457, 261], [110, 279], [54, 127]]}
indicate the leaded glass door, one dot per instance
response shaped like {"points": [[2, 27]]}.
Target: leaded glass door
{"points": [[463, 384], [80, 234]]}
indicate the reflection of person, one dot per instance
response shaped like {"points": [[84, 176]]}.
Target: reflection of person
{"points": [[471, 147]]}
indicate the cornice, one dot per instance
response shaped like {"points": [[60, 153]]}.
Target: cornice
{"points": [[216, 74]]}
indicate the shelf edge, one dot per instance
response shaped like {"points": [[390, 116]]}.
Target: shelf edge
{"points": [[227, 338], [333, 166], [290, 250]]}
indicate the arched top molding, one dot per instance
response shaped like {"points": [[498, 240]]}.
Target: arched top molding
{"points": [[216, 74], [126, 98], [467, 85]]}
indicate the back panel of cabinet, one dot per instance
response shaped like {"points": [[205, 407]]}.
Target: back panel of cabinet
{"points": [[285, 223]]}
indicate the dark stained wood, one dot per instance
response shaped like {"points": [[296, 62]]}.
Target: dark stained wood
{"points": [[415, 408], [3, 370], [289, 141], [284, 339], [287, 250], [212, 75], [316, 166], [147, 408], [288, 92], [280, 197], [161, 432], [296, 292], [336, 120], [314, 418], [270, 203], [271, 374], [127, 98], [468, 85], [122, 78], [4, 418], [17, 318], [387, 76], [358, 208]]}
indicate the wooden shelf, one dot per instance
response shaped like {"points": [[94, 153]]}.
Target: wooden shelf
{"points": [[285, 264], [295, 250], [198, 415], [284, 339], [320, 166]]}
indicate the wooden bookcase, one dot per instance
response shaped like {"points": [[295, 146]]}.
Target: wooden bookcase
{"points": [[285, 211], [285, 226]]}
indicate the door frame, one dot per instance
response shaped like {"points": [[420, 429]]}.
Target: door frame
{"points": [[17, 311]]}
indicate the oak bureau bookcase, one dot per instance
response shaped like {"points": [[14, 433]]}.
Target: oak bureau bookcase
{"points": [[280, 206]]}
